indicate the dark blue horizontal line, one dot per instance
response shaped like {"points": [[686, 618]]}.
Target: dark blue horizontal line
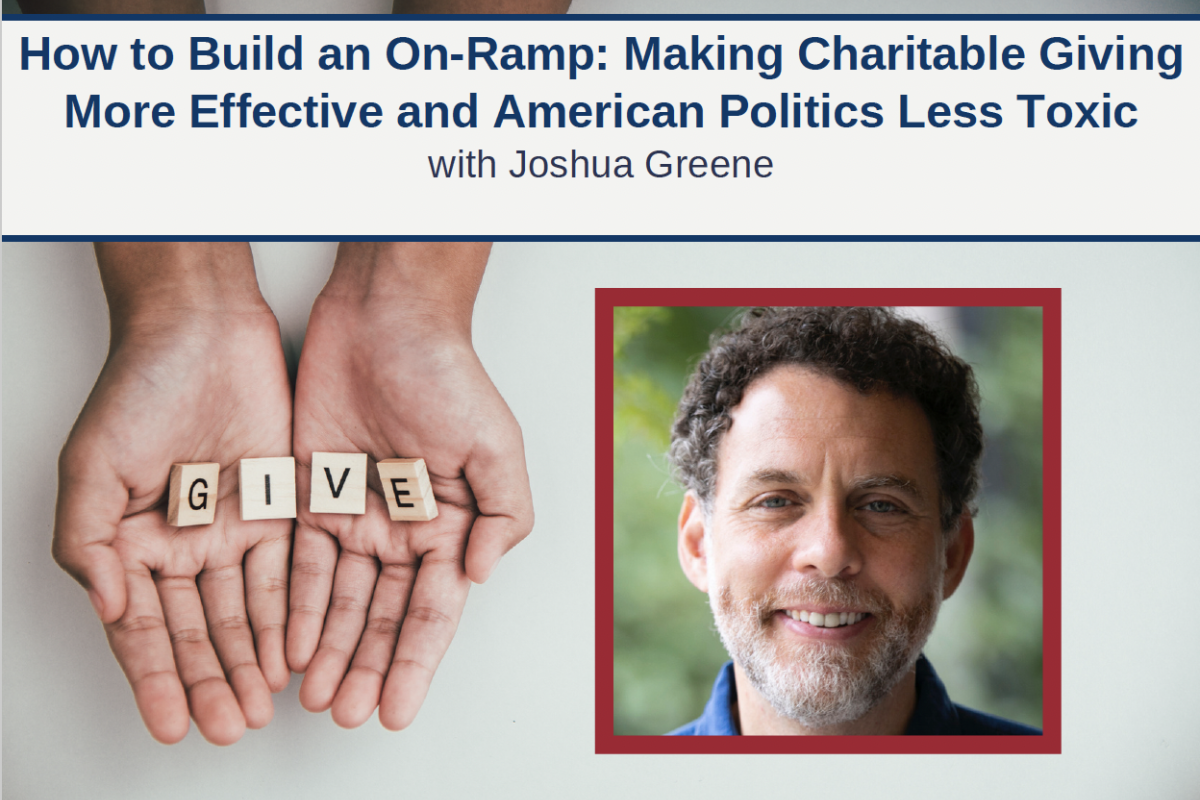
{"points": [[610, 18], [406, 238]]}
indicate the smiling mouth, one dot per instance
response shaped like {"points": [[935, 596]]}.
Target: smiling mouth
{"points": [[834, 619]]}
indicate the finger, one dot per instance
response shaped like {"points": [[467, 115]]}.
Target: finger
{"points": [[352, 588], [429, 625], [210, 698], [500, 483], [359, 693], [140, 641], [267, 601], [224, 598], [314, 559], [91, 502]]}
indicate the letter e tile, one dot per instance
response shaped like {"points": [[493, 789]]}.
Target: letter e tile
{"points": [[406, 489]]}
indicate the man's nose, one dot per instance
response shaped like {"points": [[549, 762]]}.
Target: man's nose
{"points": [[827, 543]]}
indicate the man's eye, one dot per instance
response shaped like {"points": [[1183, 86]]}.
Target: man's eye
{"points": [[881, 507], [775, 502]]}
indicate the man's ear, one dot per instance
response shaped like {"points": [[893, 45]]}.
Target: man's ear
{"points": [[958, 555], [693, 556]]}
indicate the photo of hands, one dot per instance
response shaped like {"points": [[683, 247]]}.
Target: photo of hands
{"points": [[196, 373]]}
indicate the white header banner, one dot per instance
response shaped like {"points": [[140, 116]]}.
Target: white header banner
{"points": [[401, 126]]}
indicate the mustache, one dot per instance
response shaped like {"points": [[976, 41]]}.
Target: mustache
{"points": [[812, 592]]}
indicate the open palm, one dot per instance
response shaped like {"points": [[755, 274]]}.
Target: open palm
{"points": [[375, 603], [195, 615]]}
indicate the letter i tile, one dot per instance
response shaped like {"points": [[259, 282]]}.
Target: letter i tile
{"points": [[267, 487]]}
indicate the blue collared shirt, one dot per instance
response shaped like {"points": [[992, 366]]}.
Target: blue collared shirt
{"points": [[934, 714]]}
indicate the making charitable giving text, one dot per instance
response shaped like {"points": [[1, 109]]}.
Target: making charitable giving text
{"points": [[751, 108]]}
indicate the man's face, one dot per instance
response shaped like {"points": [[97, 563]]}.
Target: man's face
{"points": [[823, 554]]}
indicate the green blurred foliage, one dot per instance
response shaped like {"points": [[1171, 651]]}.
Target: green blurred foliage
{"points": [[987, 645]]}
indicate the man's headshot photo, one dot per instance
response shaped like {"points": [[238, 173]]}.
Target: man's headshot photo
{"points": [[829, 464]]}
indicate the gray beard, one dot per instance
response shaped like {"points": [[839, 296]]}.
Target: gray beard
{"points": [[820, 684]]}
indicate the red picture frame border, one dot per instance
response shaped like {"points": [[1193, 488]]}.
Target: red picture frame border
{"points": [[1050, 301]]}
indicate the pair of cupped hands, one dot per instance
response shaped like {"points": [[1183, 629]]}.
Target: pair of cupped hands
{"points": [[208, 621]]}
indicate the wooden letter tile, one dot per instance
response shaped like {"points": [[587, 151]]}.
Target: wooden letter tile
{"points": [[407, 489], [192, 496], [339, 483], [267, 487]]}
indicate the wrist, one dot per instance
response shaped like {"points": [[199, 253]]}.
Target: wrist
{"points": [[154, 287], [426, 286]]}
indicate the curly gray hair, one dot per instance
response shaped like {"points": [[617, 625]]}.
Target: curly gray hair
{"points": [[869, 349]]}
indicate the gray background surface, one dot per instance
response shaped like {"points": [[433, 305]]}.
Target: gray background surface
{"points": [[510, 713]]}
